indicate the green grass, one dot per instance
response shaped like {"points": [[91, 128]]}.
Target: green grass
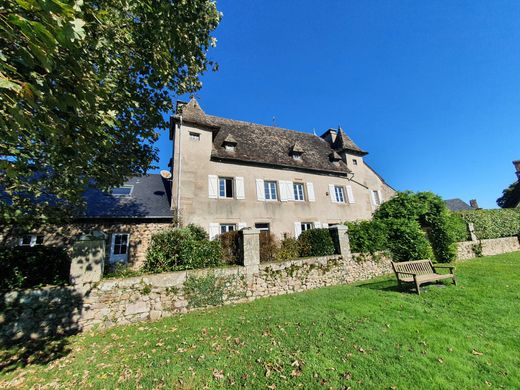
{"points": [[367, 335]]}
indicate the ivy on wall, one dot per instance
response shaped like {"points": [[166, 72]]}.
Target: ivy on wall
{"points": [[493, 223]]}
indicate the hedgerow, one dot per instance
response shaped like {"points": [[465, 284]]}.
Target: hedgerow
{"points": [[493, 223]]}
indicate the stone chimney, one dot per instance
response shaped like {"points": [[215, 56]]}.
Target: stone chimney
{"points": [[516, 163], [474, 204]]}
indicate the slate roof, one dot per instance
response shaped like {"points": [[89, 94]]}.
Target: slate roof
{"points": [[344, 142], [457, 205], [267, 144], [150, 198]]}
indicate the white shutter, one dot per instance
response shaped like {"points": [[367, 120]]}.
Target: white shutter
{"points": [[325, 225], [350, 195], [332, 193], [283, 190], [260, 190], [310, 192], [213, 230], [380, 197], [212, 186], [290, 190], [317, 225], [241, 225], [297, 229], [372, 196], [239, 187]]}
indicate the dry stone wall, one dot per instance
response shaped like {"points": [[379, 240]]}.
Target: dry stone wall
{"points": [[471, 249]]}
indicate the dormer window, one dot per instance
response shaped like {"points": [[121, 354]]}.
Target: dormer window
{"points": [[296, 151], [229, 143]]}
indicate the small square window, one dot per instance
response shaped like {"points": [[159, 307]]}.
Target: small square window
{"points": [[225, 187], [354, 161], [270, 190], [122, 192], [230, 148], [227, 227], [307, 226], [340, 194], [194, 136], [298, 192]]}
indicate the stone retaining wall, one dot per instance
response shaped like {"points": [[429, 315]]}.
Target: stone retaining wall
{"points": [[471, 249]]}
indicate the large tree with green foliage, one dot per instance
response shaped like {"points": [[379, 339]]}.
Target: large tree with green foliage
{"points": [[83, 86]]}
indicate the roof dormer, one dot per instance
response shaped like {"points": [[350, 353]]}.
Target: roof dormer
{"points": [[229, 143], [296, 151]]}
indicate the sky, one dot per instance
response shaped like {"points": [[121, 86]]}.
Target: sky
{"points": [[431, 89]]}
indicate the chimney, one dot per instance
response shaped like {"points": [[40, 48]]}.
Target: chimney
{"points": [[474, 204], [516, 163]]}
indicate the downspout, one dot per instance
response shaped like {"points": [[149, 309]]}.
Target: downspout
{"points": [[180, 170]]}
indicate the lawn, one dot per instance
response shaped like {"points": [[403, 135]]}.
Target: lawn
{"points": [[367, 335]]}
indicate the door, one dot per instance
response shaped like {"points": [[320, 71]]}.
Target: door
{"points": [[119, 248]]}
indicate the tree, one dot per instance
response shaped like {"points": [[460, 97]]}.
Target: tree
{"points": [[83, 88], [509, 196]]}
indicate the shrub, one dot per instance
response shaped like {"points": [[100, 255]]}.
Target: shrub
{"points": [[268, 246], [316, 242], [120, 270], [367, 236], [179, 249], [26, 267], [229, 242], [289, 249], [407, 241], [198, 232], [493, 223]]}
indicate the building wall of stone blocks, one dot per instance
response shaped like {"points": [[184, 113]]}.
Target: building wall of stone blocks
{"points": [[471, 249]]}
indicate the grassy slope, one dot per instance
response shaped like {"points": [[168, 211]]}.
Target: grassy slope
{"points": [[364, 336]]}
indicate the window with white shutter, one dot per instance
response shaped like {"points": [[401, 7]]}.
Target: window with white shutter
{"points": [[213, 230], [332, 193], [290, 191], [310, 192], [283, 191], [213, 186], [242, 225], [239, 187], [350, 195], [317, 225], [260, 191], [297, 229], [299, 193]]}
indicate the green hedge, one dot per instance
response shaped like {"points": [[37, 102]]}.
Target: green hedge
{"points": [[493, 223], [316, 242], [180, 249], [26, 267], [367, 236]]}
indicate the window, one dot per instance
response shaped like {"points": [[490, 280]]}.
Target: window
{"points": [[264, 227], [340, 194], [307, 226], [122, 192], [194, 136], [31, 240], [225, 187], [230, 148], [376, 198], [225, 227], [270, 190], [298, 192], [354, 161], [119, 248], [297, 157]]}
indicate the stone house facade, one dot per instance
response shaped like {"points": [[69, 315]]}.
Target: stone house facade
{"points": [[229, 174]]}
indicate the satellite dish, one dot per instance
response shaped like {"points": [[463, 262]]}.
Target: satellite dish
{"points": [[166, 174]]}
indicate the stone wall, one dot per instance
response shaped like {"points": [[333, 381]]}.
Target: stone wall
{"points": [[123, 301], [471, 249]]}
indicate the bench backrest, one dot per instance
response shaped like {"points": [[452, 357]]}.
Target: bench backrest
{"points": [[417, 267]]}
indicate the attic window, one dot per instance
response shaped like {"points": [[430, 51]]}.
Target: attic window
{"points": [[297, 157], [230, 148], [194, 136], [296, 151], [122, 192], [229, 143], [354, 161]]}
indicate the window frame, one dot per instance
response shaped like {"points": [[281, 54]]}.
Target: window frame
{"points": [[297, 194], [195, 137], [226, 227], [263, 229], [33, 240], [342, 192], [376, 198], [129, 186], [224, 179], [268, 191], [119, 257], [306, 226]]}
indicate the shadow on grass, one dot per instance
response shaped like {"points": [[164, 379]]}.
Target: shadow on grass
{"points": [[33, 352], [387, 286]]}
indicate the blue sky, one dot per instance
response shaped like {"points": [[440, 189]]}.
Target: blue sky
{"points": [[430, 89]]}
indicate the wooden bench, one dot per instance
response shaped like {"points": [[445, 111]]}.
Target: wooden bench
{"points": [[420, 272]]}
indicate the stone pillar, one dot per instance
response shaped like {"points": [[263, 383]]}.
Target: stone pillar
{"points": [[250, 249], [339, 235], [471, 230], [88, 261]]}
